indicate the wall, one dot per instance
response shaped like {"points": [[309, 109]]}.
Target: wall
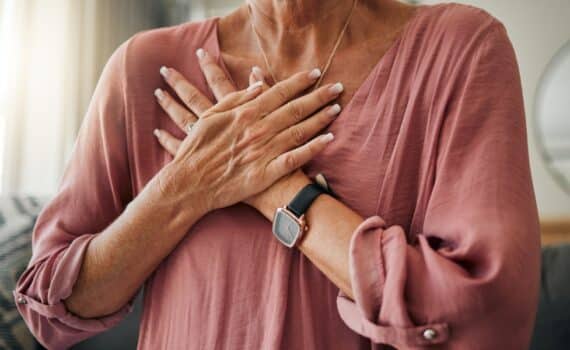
{"points": [[537, 30], [51, 56]]}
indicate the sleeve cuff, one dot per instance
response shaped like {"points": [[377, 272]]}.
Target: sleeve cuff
{"points": [[63, 278], [59, 312], [368, 276]]}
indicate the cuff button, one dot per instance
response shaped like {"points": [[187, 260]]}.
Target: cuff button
{"points": [[21, 300], [429, 334]]}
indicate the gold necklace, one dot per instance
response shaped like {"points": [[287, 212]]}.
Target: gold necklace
{"points": [[329, 60]]}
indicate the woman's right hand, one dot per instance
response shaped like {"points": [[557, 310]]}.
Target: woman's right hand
{"points": [[247, 141]]}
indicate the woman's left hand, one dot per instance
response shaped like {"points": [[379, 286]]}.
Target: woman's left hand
{"points": [[276, 195]]}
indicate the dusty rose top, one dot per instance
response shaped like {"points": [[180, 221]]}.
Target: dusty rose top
{"points": [[431, 150]]}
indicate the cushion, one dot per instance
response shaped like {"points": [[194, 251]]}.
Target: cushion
{"points": [[552, 328], [17, 217]]}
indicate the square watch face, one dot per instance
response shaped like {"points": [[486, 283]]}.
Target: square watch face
{"points": [[285, 227]]}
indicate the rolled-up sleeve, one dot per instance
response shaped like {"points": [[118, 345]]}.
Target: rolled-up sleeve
{"points": [[470, 278], [94, 190]]}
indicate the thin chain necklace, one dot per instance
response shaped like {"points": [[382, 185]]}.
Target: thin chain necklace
{"points": [[329, 60]]}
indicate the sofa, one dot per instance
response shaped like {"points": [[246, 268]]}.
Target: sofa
{"points": [[17, 218]]}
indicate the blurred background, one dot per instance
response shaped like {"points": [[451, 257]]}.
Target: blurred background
{"points": [[51, 55], [52, 52]]}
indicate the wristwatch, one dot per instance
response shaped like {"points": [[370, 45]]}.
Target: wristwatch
{"points": [[289, 222]]}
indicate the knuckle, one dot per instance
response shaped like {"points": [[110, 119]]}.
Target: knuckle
{"points": [[253, 155], [297, 135], [201, 105], [295, 110], [191, 97], [283, 91], [311, 148], [290, 161], [245, 114], [323, 96], [252, 134], [218, 79]]}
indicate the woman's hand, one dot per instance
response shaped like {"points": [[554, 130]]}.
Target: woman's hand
{"points": [[247, 141]]}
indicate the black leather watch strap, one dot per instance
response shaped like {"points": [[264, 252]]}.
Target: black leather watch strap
{"points": [[304, 198]]}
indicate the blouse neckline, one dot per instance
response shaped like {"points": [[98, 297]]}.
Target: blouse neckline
{"points": [[363, 88]]}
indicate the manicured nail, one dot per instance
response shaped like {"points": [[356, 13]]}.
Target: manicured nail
{"points": [[159, 94], [156, 132], [336, 88], [333, 110], [328, 137], [315, 73], [164, 71], [254, 86], [257, 73], [200, 53]]}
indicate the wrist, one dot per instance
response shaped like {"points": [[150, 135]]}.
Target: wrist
{"points": [[183, 199], [280, 194]]}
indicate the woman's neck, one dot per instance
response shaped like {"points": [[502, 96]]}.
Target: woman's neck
{"points": [[295, 15], [293, 31]]}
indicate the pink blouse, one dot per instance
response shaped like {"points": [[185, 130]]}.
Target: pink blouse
{"points": [[431, 150]]}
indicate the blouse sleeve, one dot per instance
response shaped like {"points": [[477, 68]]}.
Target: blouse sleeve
{"points": [[94, 190], [471, 279]]}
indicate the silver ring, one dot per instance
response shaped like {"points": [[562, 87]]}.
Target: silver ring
{"points": [[189, 127]]}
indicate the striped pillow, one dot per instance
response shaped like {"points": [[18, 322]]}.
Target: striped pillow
{"points": [[17, 217]]}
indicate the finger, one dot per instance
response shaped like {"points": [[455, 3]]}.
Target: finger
{"points": [[217, 79], [166, 140], [234, 99], [237, 98], [295, 111], [180, 115], [298, 134], [253, 78], [283, 91], [193, 98], [294, 159], [257, 75]]}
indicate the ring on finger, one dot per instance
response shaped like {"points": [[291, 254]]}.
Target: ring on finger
{"points": [[189, 127]]}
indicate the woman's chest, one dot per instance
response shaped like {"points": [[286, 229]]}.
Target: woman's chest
{"points": [[376, 161], [362, 67]]}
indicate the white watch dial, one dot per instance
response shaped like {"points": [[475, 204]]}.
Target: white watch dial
{"points": [[286, 228]]}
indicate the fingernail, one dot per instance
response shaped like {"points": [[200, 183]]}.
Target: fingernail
{"points": [[200, 53], [164, 71], [333, 110], [254, 86], [328, 137], [156, 132], [315, 73], [336, 88], [159, 94], [257, 73]]}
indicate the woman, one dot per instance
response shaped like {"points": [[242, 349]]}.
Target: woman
{"points": [[431, 238]]}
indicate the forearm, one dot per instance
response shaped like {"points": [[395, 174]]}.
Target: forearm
{"points": [[120, 258], [331, 224]]}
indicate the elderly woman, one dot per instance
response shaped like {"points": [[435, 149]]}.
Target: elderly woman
{"points": [[423, 232]]}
